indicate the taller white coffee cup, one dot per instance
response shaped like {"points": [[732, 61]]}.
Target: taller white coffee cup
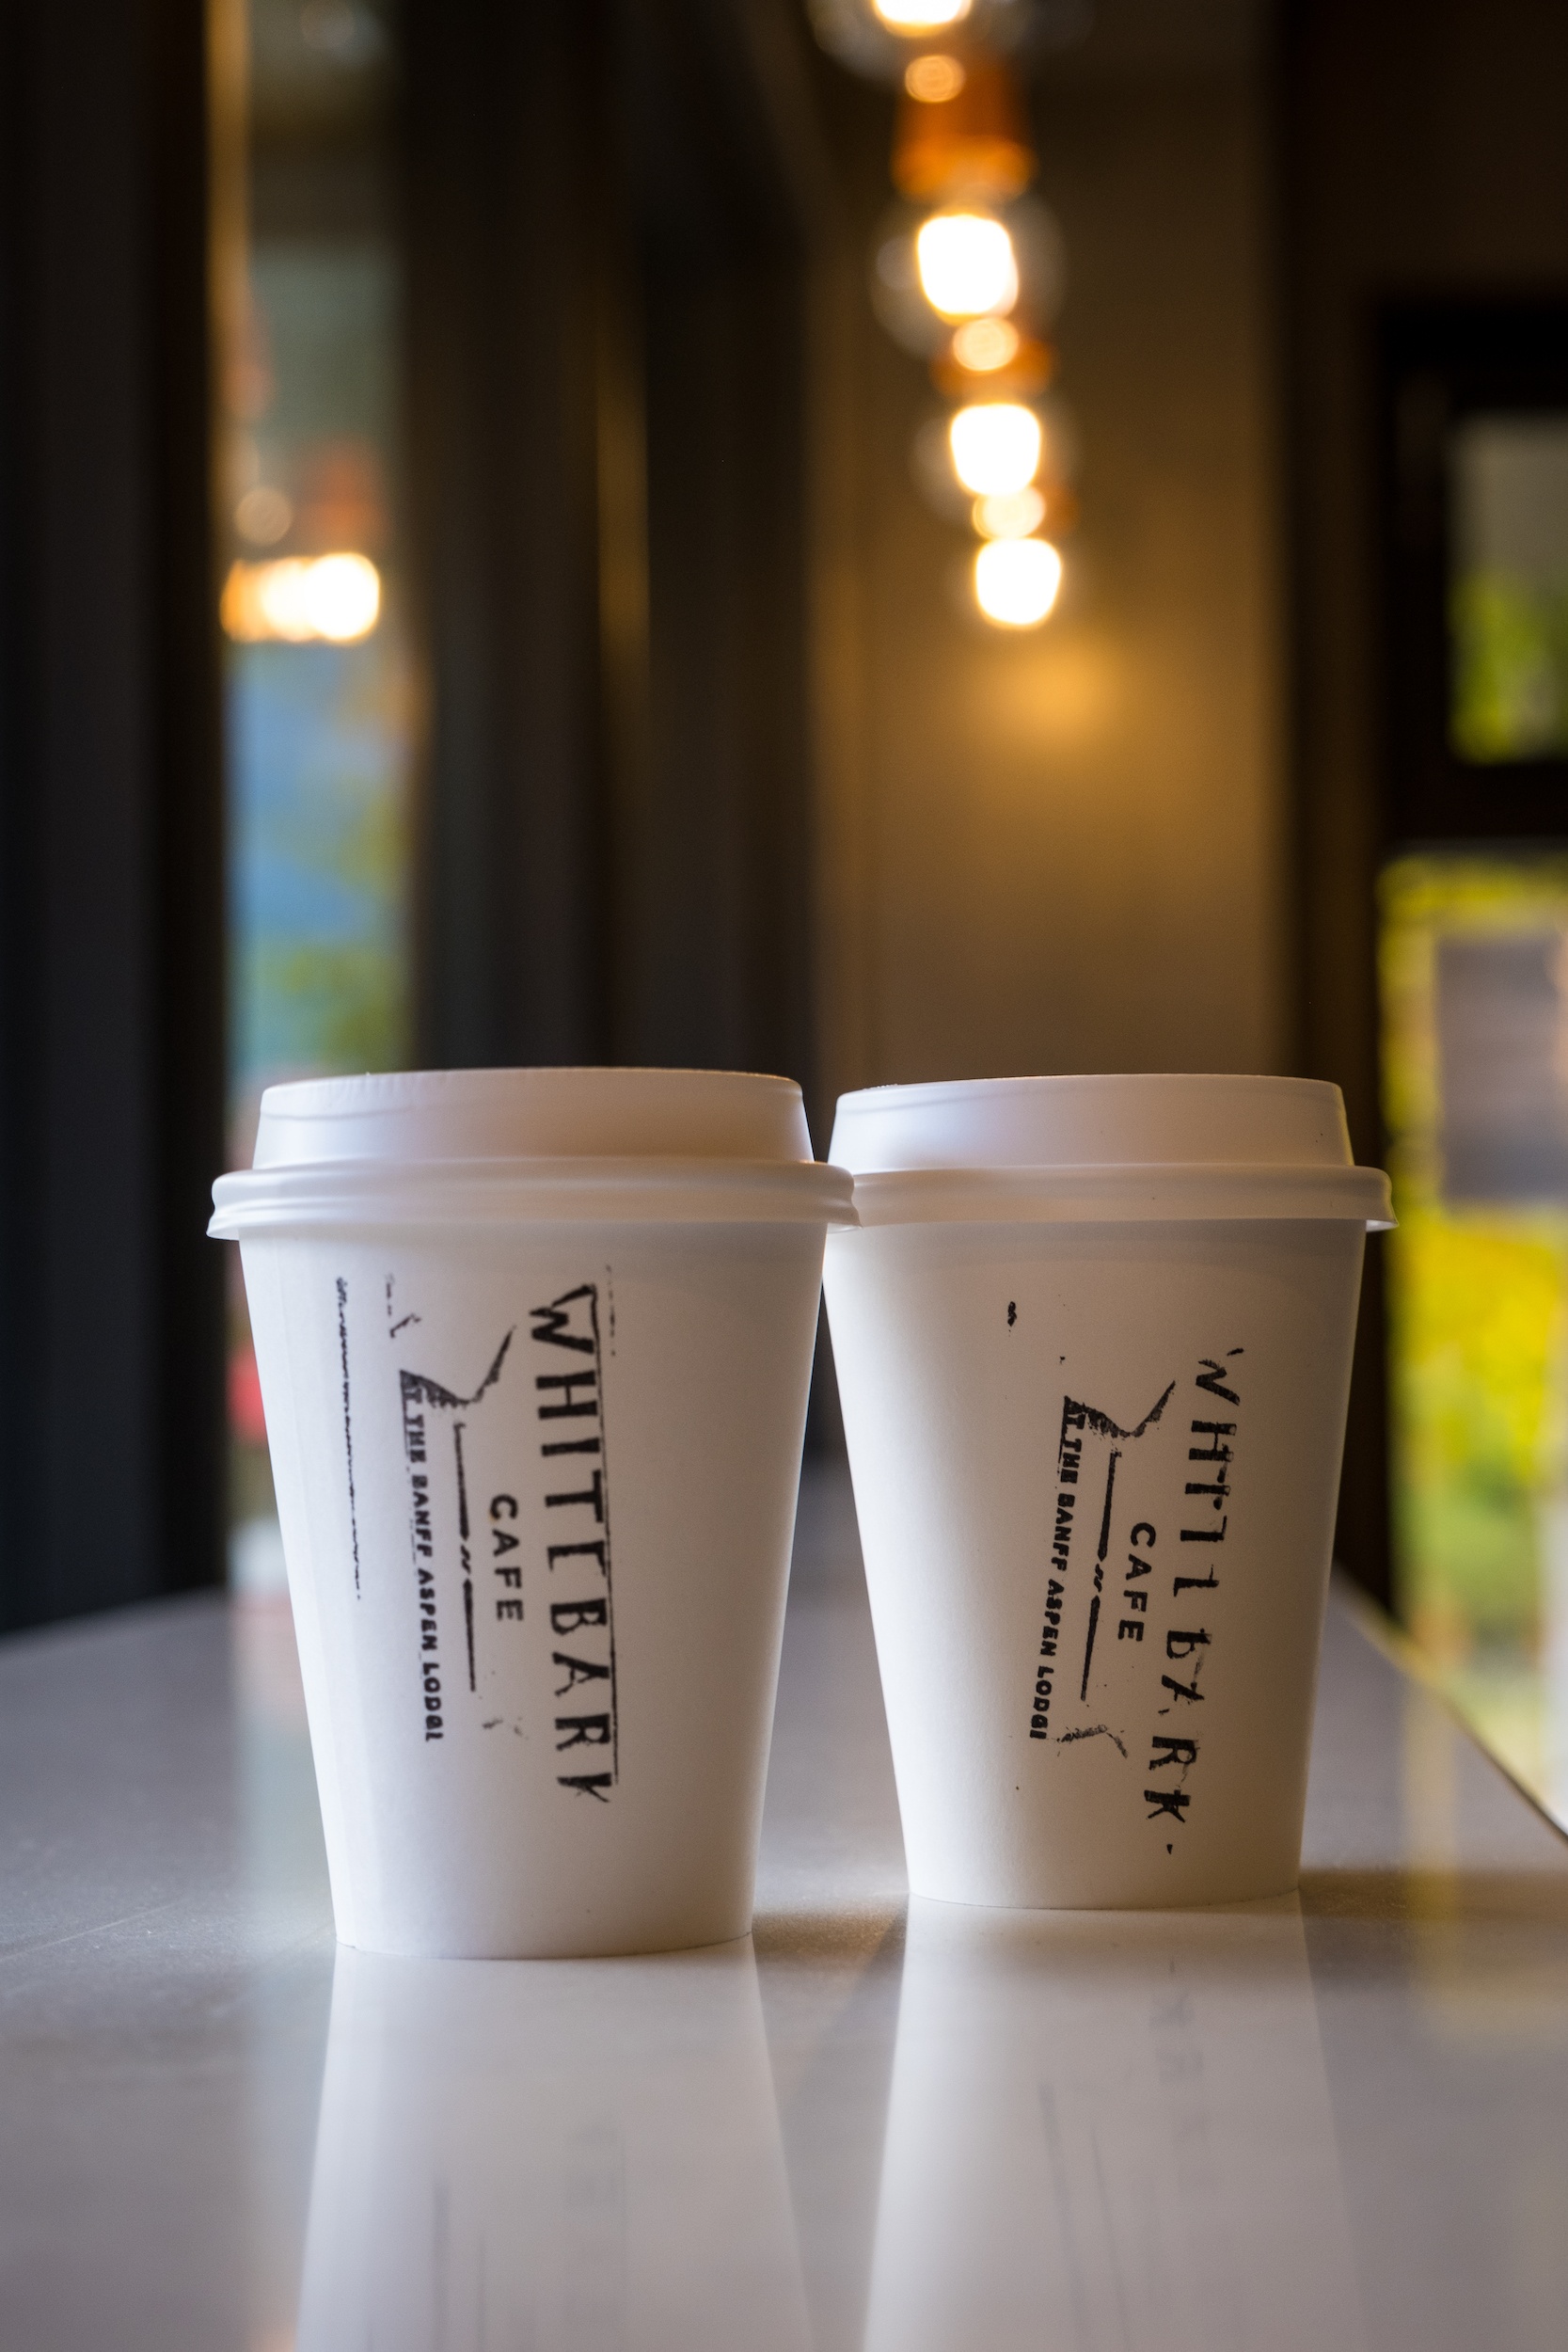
{"points": [[535, 1349], [1093, 1342]]}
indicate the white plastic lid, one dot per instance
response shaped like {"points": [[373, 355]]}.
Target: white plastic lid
{"points": [[475, 1147], [1130, 1146], [436, 1115]]}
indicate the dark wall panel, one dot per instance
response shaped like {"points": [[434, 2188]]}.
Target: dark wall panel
{"points": [[110, 827], [504, 151], [608, 240]]}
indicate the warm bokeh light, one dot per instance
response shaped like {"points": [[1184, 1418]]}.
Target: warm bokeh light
{"points": [[1010, 515], [982, 344], [967, 264], [995, 446], [920, 16], [265, 516], [330, 599], [1017, 580], [934, 80]]}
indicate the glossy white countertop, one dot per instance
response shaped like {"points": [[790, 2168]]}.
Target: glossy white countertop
{"points": [[1339, 2123]]}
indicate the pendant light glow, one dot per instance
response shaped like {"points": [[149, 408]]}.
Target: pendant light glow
{"points": [[968, 273], [968, 268], [996, 447], [934, 80], [1010, 515], [985, 343], [1017, 581], [920, 16]]}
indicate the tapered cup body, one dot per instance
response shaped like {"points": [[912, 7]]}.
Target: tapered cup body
{"points": [[1096, 1456], [537, 1492], [1096, 1470]]}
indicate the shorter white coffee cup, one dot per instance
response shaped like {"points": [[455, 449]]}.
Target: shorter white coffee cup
{"points": [[535, 1349], [1093, 1342]]}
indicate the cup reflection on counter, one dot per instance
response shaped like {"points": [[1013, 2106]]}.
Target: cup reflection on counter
{"points": [[1110, 2133], [559, 2156]]}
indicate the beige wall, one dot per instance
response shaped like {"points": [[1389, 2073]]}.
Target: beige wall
{"points": [[1062, 851]]}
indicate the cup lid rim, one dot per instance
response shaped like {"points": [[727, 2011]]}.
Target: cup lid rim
{"points": [[1123, 1192], [303, 1196]]}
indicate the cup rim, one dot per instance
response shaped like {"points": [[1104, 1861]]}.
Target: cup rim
{"points": [[1149, 1192], [303, 1197]]}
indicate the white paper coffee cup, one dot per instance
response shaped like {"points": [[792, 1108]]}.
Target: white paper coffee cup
{"points": [[535, 1349], [1093, 1342]]}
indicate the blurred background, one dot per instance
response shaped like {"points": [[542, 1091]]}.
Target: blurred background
{"points": [[878, 540]]}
